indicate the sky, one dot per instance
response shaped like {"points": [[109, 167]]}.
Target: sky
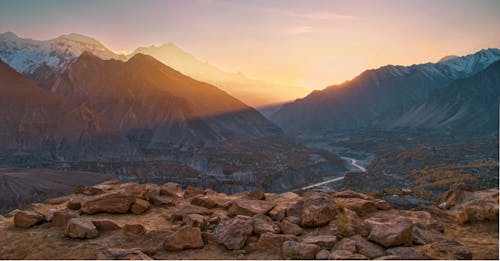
{"points": [[307, 43]]}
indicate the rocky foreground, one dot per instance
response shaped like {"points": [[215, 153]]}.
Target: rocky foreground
{"points": [[114, 220]]}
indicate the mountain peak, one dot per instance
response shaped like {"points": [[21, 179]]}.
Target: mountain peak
{"points": [[8, 36], [447, 58]]}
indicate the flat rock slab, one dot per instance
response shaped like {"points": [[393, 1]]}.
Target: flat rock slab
{"points": [[249, 207]]}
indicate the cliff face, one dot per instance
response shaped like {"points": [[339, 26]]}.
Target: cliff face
{"points": [[114, 220]]}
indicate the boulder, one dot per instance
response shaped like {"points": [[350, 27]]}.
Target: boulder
{"points": [[190, 209], [361, 206], [26, 219], [105, 225], [171, 189], [346, 244], [249, 207], [421, 219], [347, 223], [457, 193], [203, 201], [192, 192], [351, 194], [185, 238], [60, 218], [273, 242], [323, 254], [87, 190], [107, 203], [134, 190], [122, 254], [264, 224], [233, 233], [278, 213], [162, 201], [152, 190], [448, 249], [257, 194], [194, 220], [288, 227], [345, 255], [295, 210], [74, 204], [390, 230], [80, 228], [135, 229], [382, 204], [57, 201], [478, 211], [367, 248], [322, 241], [296, 250], [140, 206], [425, 236], [318, 210], [408, 253]]}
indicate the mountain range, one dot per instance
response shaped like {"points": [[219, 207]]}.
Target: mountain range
{"points": [[395, 96]]}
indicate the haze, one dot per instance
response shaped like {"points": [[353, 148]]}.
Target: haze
{"points": [[310, 44]]}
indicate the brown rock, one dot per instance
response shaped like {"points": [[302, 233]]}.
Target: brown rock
{"points": [[191, 192], [80, 228], [122, 254], [296, 250], [408, 253], [140, 206], [105, 225], [190, 209], [456, 195], [273, 242], [152, 190], [57, 201], [351, 194], [134, 190], [194, 220], [295, 210], [318, 210], [322, 241], [249, 207], [264, 224], [87, 190], [382, 204], [361, 206], [185, 238], [424, 236], [171, 189], [345, 255], [203, 201], [107, 203], [478, 211], [278, 213], [421, 219], [60, 218], [74, 204], [162, 201], [136, 229], [347, 223], [257, 194], [288, 227], [367, 248], [346, 244], [390, 231], [233, 233], [323, 254], [449, 249], [26, 219]]}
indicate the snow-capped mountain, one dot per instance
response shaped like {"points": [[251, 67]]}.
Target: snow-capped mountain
{"points": [[40, 60]]}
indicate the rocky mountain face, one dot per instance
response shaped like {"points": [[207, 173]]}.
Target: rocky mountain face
{"points": [[114, 220], [377, 95], [255, 93]]}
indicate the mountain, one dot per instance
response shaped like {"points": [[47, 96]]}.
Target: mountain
{"points": [[43, 61], [379, 94], [252, 92], [155, 105], [469, 104]]}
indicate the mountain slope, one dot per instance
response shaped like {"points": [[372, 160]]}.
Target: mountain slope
{"points": [[376, 95], [253, 92], [153, 104], [469, 104]]}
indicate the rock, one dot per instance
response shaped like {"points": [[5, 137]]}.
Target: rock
{"points": [[346, 244], [318, 210], [362, 207], [347, 223], [152, 190], [190, 209], [323, 254], [60, 218], [105, 225], [389, 257], [107, 203], [80, 228], [140, 206], [351, 194], [171, 189], [478, 211], [74, 204], [233, 233], [295, 210], [203, 201], [134, 190], [321, 241], [449, 249], [390, 230], [257, 194], [288, 227], [345, 255], [185, 238], [264, 224], [191, 192], [57, 201], [367, 248], [26, 219], [278, 213], [408, 253], [122, 254], [457, 193], [135, 229], [249, 207], [194, 220], [273, 242], [382, 204], [422, 219], [296, 250], [162, 201], [425, 236], [87, 190], [12, 213]]}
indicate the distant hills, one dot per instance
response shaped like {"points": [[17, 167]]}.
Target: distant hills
{"points": [[388, 96]]}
